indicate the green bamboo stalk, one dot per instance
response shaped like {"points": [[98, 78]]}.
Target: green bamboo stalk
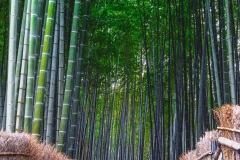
{"points": [[41, 47], [60, 67], [43, 30], [40, 28], [69, 79], [46, 99], [4, 114], [219, 100], [40, 38], [38, 114], [23, 76], [231, 67], [31, 69], [19, 19], [38, 55], [20, 51], [49, 134], [1, 95], [4, 69], [74, 111], [10, 113]]}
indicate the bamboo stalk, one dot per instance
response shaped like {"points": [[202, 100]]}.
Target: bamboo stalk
{"points": [[219, 100], [12, 52], [13, 153], [231, 58], [22, 84], [50, 122], [41, 89], [28, 115], [69, 77], [228, 129], [204, 155]]}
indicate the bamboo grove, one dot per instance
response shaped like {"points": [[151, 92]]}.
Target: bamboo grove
{"points": [[117, 79]]}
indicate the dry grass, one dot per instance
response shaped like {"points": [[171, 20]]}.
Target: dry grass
{"points": [[227, 116], [21, 146], [203, 146], [236, 125], [223, 116]]}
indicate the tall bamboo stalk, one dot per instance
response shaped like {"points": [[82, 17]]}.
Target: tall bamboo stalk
{"points": [[200, 124], [41, 46], [23, 76], [69, 77], [230, 51], [51, 103], [31, 70], [74, 112], [41, 90], [12, 52], [20, 52], [60, 66], [219, 100]]}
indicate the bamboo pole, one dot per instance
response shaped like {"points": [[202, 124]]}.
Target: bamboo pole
{"points": [[12, 52], [228, 129], [229, 143], [14, 154], [204, 155]]}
